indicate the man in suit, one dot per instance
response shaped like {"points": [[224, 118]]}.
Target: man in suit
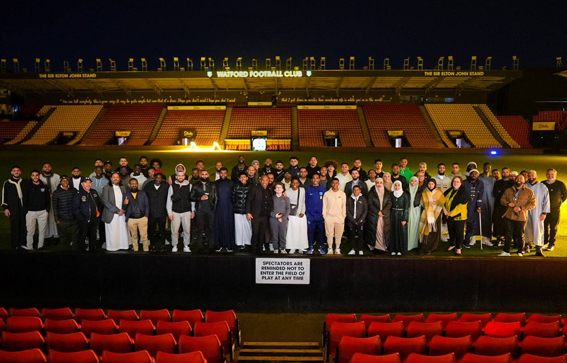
{"points": [[259, 204], [137, 212], [356, 180], [115, 201], [157, 195]]}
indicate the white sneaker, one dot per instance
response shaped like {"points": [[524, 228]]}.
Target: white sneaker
{"points": [[277, 251], [174, 249], [520, 254], [331, 251], [25, 247], [300, 251], [472, 241], [504, 254], [360, 253], [393, 253], [399, 253], [283, 252], [186, 249], [271, 248], [486, 242], [352, 252], [338, 251]]}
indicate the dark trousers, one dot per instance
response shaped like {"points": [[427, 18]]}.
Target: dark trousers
{"points": [[18, 228], [515, 231], [355, 236], [157, 240], [68, 230], [456, 232], [316, 228], [550, 226], [204, 224], [88, 229], [259, 226]]}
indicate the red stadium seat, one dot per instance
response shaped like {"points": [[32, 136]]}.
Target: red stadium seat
{"points": [[74, 342], [24, 356], [220, 329], [477, 358], [89, 314], [22, 324], [4, 314], [62, 326], [416, 329], [545, 347], [484, 318], [530, 358], [456, 329], [210, 346], [331, 318], [107, 326], [135, 327], [539, 318], [155, 315], [136, 357], [22, 341], [496, 346], [444, 318], [118, 343], [25, 312], [2, 325], [511, 318], [118, 315], [348, 346], [176, 328], [58, 314], [368, 319], [542, 330], [155, 343], [339, 330], [194, 357], [406, 319], [444, 345], [497, 329], [230, 317], [84, 356], [405, 346], [384, 330], [192, 316], [365, 358], [420, 358]]}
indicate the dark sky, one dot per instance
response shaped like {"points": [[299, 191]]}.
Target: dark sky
{"points": [[259, 29]]}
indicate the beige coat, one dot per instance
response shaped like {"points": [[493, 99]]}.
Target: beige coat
{"points": [[526, 201]]}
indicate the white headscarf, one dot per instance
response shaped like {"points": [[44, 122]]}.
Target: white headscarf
{"points": [[397, 193], [379, 191]]}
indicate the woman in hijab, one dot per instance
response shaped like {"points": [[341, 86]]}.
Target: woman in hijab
{"points": [[377, 226], [432, 201], [414, 214], [399, 213], [388, 181], [455, 209]]}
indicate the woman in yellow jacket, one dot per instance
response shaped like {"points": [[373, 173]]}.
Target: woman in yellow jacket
{"points": [[455, 209]]}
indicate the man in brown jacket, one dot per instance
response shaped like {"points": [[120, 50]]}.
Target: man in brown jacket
{"points": [[518, 200]]}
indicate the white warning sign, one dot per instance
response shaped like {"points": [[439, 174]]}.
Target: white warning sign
{"points": [[295, 271]]}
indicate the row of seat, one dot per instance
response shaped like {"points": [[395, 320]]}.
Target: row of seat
{"points": [[277, 121], [207, 123], [312, 124], [498, 126], [450, 358], [518, 128]]}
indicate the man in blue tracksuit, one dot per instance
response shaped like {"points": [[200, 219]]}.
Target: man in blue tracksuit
{"points": [[314, 207]]}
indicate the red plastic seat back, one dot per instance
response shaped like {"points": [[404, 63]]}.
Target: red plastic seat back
{"points": [[192, 316], [209, 345], [530, 358], [342, 318], [416, 329], [406, 319], [85, 356], [369, 319], [384, 330], [339, 330], [539, 318], [23, 356], [118, 343], [155, 315], [4, 314], [193, 357], [118, 315], [135, 327], [420, 358], [405, 346], [511, 318], [22, 341], [542, 330], [89, 314], [136, 357], [484, 318], [444, 345], [58, 314], [74, 342], [62, 326], [457, 329], [365, 358], [477, 358], [229, 316], [443, 318], [2, 325], [155, 343], [220, 329], [107, 326], [22, 324], [25, 312], [545, 347], [348, 346], [503, 330], [176, 328], [496, 346]]}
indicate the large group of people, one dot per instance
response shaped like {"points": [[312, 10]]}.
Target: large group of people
{"points": [[274, 209]]}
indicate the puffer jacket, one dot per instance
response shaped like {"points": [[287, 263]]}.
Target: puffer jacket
{"points": [[239, 194], [63, 203]]}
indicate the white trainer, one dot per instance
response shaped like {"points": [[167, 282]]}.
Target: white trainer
{"points": [[338, 251], [174, 249], [352, 252], [504, 254], [186, 249], [360, 253]]}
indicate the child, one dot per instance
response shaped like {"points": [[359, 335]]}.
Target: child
{"points": [[278, 219]]}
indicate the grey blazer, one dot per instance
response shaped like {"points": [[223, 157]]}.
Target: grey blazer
{"points": [[109, 202]]}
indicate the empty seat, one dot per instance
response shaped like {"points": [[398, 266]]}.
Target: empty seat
{"points": [[545, 347], [155, 343], [119, 343], [365, 358], [416, 329], [62, 326], [135, 357], [539, 318], [440, 345], [542, 330], [58, 314], [496, 329], [220, 329], [230, 317], [24, 356], [193, 357], [406, 319], [477, 358], [192, 316], [420, 358], [89, 314], [135, 327], [496, 346], [484, 318], [74, 342], [22, 341], [369, 319], [405, 346], [530, 358], [443, 318], [84, 356], [155, 315], [511, 318], [209, 345], [22, 324], [2, 325], [348, 346], [456, 329], [384, 330], [118, 315], [331, 318], [107, 326], [25, 312], [339, 330], [4, 314], [175, 328]]}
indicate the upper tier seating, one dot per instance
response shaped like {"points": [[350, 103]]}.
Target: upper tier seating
{"points": [[277, 121], [498, 126], [10, 129], [312, 124], [207, 123]]}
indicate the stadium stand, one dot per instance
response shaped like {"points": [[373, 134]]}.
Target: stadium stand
{"points": [[462, 118], [139, 119], [518, 128], [23, 133], [243, 120], [207, 123], [559, 117], [398, 117], [64, 118], [314, 122], [498, 126], [10, 129]]}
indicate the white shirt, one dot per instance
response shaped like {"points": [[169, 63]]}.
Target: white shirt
{"points": [[117, 196], [343, 179]]}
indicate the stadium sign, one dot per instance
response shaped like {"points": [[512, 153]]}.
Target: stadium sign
{"points": [[543, 126], [259, 74], [294, 271]]}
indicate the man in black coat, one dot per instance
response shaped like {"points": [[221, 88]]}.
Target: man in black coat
{"points": [[157, 196], [87, 206], [204, 194], [357, 208], [137, 211], [259, 204], [238, 169], [13, 204], [63, 212]]}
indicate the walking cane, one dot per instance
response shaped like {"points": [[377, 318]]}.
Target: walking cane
{"points": [[480, 227]]}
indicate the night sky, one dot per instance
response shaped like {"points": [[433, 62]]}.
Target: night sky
{"points": [[260, 29]]}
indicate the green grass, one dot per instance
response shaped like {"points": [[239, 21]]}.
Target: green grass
{"points": [[64, 161]]}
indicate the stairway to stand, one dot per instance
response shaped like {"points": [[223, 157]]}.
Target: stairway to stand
{"points": [[256, 352]]}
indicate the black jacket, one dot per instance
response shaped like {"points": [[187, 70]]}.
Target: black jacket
{"points": [[63, 203], [239, 195], [198, 191], [254, 201], [235, 172], [141, 201], [361, 184], [157, 199], [361, 210], [85, 205], [372, 216], [36, 197], [10, 198]]}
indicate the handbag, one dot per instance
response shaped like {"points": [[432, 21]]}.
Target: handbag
{"points": [[294, 207]]}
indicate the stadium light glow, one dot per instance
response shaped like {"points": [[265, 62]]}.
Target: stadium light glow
{"points": [[493, 152]]}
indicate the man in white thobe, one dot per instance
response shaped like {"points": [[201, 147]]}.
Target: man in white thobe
{"points": [[114, 199], [534, 228], [51, 180]]}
